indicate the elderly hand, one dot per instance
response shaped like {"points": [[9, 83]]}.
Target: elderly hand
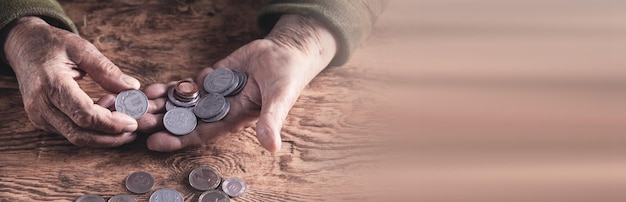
{"points": [[278, 69], [47, 62]]}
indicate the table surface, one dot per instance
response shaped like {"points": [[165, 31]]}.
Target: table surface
{"points": [[480, 101]]}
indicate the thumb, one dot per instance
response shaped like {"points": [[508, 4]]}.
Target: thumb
{"points": [[100, 68], [274, 109]]}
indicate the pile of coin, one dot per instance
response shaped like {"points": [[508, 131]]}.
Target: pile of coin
{"points": [[202, 178], [212, 107]]}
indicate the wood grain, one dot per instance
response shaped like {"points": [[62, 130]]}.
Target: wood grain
{"points": [[162, 41]]}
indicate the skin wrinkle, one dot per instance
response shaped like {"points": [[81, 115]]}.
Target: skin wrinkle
{"points": [[298, 35]]}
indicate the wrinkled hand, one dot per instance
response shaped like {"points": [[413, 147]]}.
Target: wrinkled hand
{"points": [[278, 68], [47, 62]]}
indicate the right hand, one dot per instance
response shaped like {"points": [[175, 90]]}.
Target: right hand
{"points": [[47, 62]]}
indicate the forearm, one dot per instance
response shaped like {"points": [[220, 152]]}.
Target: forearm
{"points": [[307, 35], [349, 21]]}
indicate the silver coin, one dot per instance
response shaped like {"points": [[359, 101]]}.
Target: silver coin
{"points": [[213, 196], [132, 102], [176, 102], [219, 116], [123, 198], [169, 106], [234, 187], [243, 80], [180, 121], [166, 195], [204, 178], [210, 106], [139, 182], [219, 81], [90, 198], [234, 84]]}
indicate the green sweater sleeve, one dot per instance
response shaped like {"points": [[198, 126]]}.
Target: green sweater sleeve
{"points": [[49, 10], [349, 20]]}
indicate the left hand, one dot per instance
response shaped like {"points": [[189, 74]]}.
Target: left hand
{"points": [[278, 69]]}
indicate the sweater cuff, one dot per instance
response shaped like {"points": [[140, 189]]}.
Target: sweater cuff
{"points": [[348, 23], [48, 10]]}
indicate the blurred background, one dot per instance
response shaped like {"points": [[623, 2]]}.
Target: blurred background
{"points": [[504, 100]]}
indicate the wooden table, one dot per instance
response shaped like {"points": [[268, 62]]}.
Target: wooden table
{"points": [[447, 100], [162, 41]]}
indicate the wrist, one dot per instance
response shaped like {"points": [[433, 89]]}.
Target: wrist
{"points": [[305, 35], [13, 36]]}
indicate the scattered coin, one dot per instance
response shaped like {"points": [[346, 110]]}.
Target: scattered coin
{"points": [[213, 196], [90, 198], [204, 178], [139, 182], [166, 195], [132, 102], [220, 81], [212, 108], [180, 121], [234, 187], [122, 198]]}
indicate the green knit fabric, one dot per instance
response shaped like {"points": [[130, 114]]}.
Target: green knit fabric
{"points": [[50, 10], [349, 20]]}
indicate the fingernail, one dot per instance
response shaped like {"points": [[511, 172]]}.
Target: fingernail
{"points": [[131, 81], [129, 128]]}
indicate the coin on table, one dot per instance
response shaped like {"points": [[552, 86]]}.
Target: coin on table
{"points": [[180, 121], [132, 102], [90, 198], [220, 81], [213, 196], [211, 108], [234, 187], [123, 198], [166, 195], [139, 182], [204, 178]]}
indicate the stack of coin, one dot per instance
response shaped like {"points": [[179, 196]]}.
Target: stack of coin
{"points": [[212, 108], [184, 94], [225, 82], [180, 121], [132, 102]]}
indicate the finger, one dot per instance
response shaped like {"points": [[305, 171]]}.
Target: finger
{"points": [[274, 109], [100, 68], [150, 123], [157, 105], [156, 90], [107, 101], [164, 141], [84, 137], [67, 96]]}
